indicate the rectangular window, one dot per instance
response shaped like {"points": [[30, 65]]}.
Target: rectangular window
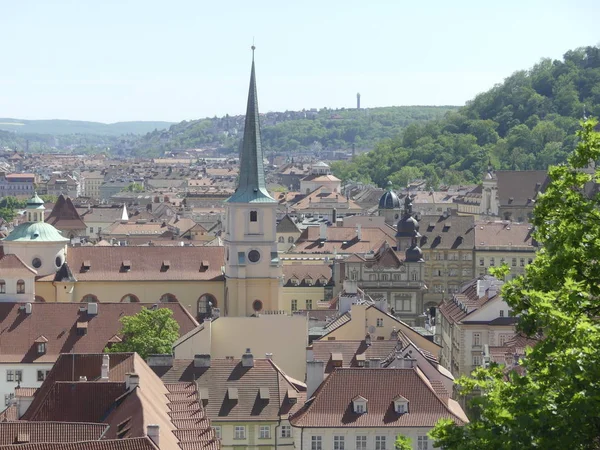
{"points": [[316, 443], [467, 257], [2, 287], [476, 339], [338, 443], [453, 272], [18, 375], [522, 262], [361, 443], [502, 339], [217, 432], [380, 443], [372, 277], [481, 262], [501, 313], [308, 304], [466, 272], [10, 375], [405, 303], [294, 305], [379, 322], [529, 260], [359, 408], [240, 432], [286, 431], [265, 432], [514, 262], [42, 374], [452, 256], [492, 262], [477, 360], [20, 287], [8, 398], [384, 277], [422, 443], [253, 216], [91, 229]]}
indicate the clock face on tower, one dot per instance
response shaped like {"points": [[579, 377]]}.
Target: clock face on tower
{"points": [[254, 256]]}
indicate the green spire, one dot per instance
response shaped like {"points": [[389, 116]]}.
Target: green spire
{"points": [[251, 181]]}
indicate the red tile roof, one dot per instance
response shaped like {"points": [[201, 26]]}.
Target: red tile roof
{"points": [[50, 431], [186, 263], [12, 266], [332, 406], [142, 443], [224, 374], [64, 215], [344, 240], [58, 323], [349, 350]]}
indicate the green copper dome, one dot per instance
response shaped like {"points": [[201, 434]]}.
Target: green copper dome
{"points": [[35, 201], [35, 232]]}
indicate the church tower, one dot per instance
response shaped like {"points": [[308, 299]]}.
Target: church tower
{"points": [[252, 269]]}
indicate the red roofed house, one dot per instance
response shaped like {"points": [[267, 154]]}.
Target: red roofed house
{"points": [[366, 409]]}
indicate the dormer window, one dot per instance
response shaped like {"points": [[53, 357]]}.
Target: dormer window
{"points": [[400, 405], [41, 348], [359, 404]]}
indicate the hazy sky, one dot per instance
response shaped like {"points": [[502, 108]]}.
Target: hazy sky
{"points": [[115, 60]]}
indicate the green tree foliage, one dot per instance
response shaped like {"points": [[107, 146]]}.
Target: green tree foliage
{"points": [[9, 206], [134, 187], [525, 123], [147, 332], [403, 443], [555, 403]]}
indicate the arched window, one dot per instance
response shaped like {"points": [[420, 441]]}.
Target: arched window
{"points": [[168, 298], [20, 287], [291, 240], [40, 299], [89, 298], [130, 298], [281, 239], [257, 305], [2, 287], [206, 303], [253, 216]]}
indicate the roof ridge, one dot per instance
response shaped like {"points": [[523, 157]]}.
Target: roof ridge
{"points": [[427, 383]]}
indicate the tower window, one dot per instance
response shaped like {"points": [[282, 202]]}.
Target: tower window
{"points": [[253, 216], [257, 305]]}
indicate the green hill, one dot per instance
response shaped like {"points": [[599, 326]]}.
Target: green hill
{"points": [[65, 127], [292, 131], [527, 122]]}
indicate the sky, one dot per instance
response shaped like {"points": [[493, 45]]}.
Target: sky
{"points": [[124, 60]]}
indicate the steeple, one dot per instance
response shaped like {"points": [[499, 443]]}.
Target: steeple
{"points": [[251, 186]]}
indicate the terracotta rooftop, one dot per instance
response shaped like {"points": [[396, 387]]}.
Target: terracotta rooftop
{"points": [[147, 263], [11, 266], [142, 443], [518, 188], [62, 324], [515, 236], [352, 352], [64, 215], [450, 232], [331, 405], [320, 198], [344, 240], [126, 411], [226, 374], [306, 274]]}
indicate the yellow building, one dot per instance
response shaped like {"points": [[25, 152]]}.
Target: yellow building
{"points": [[306, 287], [287, 234], [256, 333], [191, 276]]}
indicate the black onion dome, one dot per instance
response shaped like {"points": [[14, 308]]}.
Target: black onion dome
{"points": [[389, 200], [414, 254], [407, 227]]}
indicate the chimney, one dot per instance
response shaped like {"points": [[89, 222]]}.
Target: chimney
{"points": [[358, 231], [82, 378], [323, 231], [132, 380], [247, 359], [28, 308], [153, 432], [105, 367], [315, 372], [310, 354], [92, 308], [269, 355], [202, 360], [160, 360]]}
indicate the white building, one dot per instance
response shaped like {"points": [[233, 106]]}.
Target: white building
{"points": [[320, 175], [471, 319]]}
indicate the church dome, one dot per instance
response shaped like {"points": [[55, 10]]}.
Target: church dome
{"points": [[35, 232], [414, 254], [389, 200], [407, 226]]}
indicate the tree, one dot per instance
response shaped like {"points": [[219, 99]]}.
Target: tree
{"points": [[134, 187], [403, 443], [554, 402], [151, 331]]}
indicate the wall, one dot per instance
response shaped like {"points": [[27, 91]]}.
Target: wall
{"points": [[253, 440], [231, 336], [29, 377], [46, 251], [302, 294], [350, 434], [186, 292]]}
